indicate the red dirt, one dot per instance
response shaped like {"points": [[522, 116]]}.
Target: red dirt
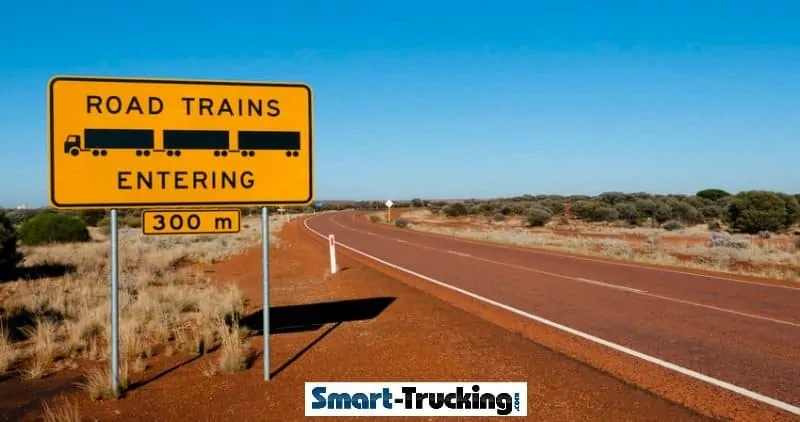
{"points": [[417, 337]]}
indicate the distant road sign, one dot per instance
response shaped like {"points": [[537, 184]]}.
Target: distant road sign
{"points": [[200, 221], [144, 143], [318, 204], [389, 203]]}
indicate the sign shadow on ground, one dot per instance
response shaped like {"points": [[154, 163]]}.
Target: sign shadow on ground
{"points": [[311, 317]]}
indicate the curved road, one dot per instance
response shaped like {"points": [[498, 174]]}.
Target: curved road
{"points": [[738, 332]]}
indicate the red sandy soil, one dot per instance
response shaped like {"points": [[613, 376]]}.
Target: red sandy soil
{"points": [[411, 335]]}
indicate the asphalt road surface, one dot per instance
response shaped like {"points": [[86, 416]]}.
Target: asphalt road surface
{"points": [[743, 333]]}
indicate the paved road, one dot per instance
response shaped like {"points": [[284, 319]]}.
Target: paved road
{"points": [[743, 333]]}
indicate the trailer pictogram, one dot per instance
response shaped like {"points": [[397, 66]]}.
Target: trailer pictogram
{"points": [[99, 141]]}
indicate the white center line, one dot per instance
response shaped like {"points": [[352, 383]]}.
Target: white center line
{"points": [[459, 253], [613, 286]]}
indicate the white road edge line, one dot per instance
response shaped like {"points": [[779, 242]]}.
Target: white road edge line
{"points": [[654, 360]]}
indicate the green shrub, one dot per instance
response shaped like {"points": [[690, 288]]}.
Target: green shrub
{"points": [[455, 210], [711, 212], [499, 217], [91, 217], [686, 213], [122, 221], [46, 228], [672, 225], [9, 256], [375, 218], [400, 222], [18, 217], [627, 211], [594, 211], [130, 221], [755, 211], [712, 194], [538, 217]]}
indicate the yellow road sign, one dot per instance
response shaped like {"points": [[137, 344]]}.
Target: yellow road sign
{"points": [[199, 221], [147, 143]]}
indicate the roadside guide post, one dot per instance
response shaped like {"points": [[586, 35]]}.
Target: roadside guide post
{"points": [[389, 204], [151, 143], [332, 250], [282, 211]]}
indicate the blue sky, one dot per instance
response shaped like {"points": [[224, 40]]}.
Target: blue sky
{"points": [[444, 99]]}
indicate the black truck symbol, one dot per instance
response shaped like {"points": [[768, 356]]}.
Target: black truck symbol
{"points": [[99, 141]]}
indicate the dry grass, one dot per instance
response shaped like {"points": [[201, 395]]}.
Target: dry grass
{"points": [[97, 382], [776, 258], [165, 300], [61, 410], [7, 352], [236, 353]]}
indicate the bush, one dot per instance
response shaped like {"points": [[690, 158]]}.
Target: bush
{"points": [[401, 222], [455, 210], [91, 217], [122, 221], [375, 218], [538, 217], [714, 226], [755, 211], [594, 211], [499, 217], [628, 212], [686, 213], [18, 217], [53, 228], [9, 256], [712, 211], [662, 213], [712, 194], [672, 225], [130, 221]]}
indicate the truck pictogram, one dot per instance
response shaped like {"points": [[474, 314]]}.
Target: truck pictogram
{"points": [[99, 141]]}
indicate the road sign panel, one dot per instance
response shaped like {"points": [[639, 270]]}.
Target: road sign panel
{"points": [[148, 143], [389, 203], [199, 221]]}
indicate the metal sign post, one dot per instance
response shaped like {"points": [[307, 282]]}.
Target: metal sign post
{"points": [[265, 285], [114, 340]]}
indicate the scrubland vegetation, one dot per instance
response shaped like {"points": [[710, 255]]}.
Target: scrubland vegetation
{"points": [[748, 233]]}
